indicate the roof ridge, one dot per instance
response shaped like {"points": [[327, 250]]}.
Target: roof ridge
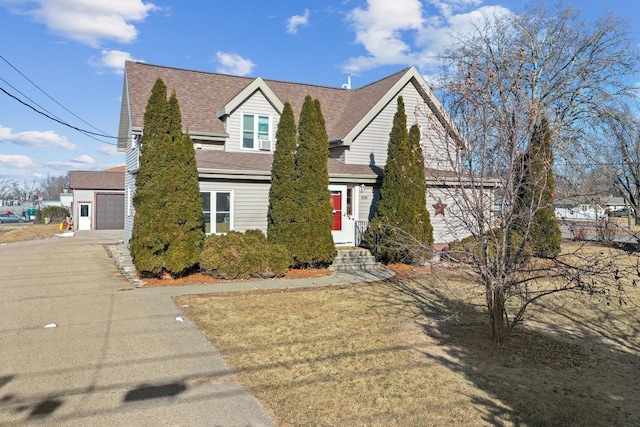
{"points": [[190, 70], [267, 80], [403, 71]]}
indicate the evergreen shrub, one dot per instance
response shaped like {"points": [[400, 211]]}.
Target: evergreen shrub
{"points": [[54, 213], [401, 230], [168, 230], [535, 194], [311, 242], [237, 255]]}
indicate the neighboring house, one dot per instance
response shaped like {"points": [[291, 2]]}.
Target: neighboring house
{"points": [[233, 121], [66, 198], [9, 202], [98, 199], [614, 203]]}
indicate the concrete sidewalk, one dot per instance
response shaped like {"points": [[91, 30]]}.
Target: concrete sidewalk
{"points": [[117, 356]]}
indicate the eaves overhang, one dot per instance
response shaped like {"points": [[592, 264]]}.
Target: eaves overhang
{"points": [[236, 174]]}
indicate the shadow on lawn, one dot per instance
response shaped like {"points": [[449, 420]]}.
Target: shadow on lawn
{"points": [[577, 369]]}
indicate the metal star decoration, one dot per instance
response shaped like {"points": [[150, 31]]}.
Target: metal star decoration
{"points": [[439, 207]]}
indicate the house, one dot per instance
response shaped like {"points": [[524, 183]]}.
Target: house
{"points": [[98, 199], [614, 203], [233, 121]]}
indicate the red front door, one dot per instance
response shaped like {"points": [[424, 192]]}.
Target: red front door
{"points": [[336, 204]]}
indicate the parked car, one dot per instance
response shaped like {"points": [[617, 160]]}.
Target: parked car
{"points": [[9, 218], [624, 212]]}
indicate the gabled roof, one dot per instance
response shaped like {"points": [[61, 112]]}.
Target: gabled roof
{"points": [[111, 179], [256, 85], [205, 97]]}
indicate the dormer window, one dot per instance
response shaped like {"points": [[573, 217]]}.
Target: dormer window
{"points": [[256, 132]]}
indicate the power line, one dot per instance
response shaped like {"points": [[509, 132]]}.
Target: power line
{"points": [[53, 99], [84, 131], [34, 102]]}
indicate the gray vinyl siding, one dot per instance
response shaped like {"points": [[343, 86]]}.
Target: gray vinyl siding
{"points": [[370, 146], [250, 202], [131, 165], [256, 104], [208, 145], [451, 226], [443, 226], [366, 204], [129, 211]]}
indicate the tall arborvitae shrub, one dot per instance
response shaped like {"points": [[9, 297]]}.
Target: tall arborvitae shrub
{"points": [[534, 204], [167, 231], [419, 226], [313, 244], [281, 217], [185, 205], [401, 228]]}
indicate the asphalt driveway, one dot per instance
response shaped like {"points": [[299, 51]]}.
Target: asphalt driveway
{"points": [[116, 356]]}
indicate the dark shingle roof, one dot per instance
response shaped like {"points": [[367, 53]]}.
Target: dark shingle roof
{"points": [[92, 180], [259, 162], [203, 94], [116, 169]]}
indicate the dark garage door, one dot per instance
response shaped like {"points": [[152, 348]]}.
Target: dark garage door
{"points": [[110, 211]]}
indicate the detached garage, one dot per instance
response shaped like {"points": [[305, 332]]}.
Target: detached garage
{"points": [[98, 199]]}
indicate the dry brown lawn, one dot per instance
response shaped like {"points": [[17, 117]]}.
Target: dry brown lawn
{"points": [[408, 353], [10, 233]]}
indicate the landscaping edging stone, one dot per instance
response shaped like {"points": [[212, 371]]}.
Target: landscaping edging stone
{"points": [[122, 258]]}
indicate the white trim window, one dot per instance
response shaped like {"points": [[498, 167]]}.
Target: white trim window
{"points": [[256, 132], [217, 207]]}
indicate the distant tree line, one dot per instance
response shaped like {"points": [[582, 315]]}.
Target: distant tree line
{"points": [[30, 190]]}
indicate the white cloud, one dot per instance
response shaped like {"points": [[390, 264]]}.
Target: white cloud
{"points": [[112, 60], [34, 138], [110, 150], [232, 63], [84, 159], [90, 22], [83, 162], [401, 32], [379, 29], [17, 161], [297, 21]]}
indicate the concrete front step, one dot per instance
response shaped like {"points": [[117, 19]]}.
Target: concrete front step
{"points": [[354, 259]]}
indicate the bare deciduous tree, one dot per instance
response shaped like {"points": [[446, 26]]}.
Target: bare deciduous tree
{"points": [[620, 158], [499, 82], [26, 191], [6, 188], [52, 186]]}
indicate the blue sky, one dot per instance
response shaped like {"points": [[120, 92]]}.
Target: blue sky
{"points": [[74, 51]]}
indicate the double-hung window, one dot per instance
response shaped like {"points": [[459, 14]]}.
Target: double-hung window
{"points": [[217, 207], [256, 132]]}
